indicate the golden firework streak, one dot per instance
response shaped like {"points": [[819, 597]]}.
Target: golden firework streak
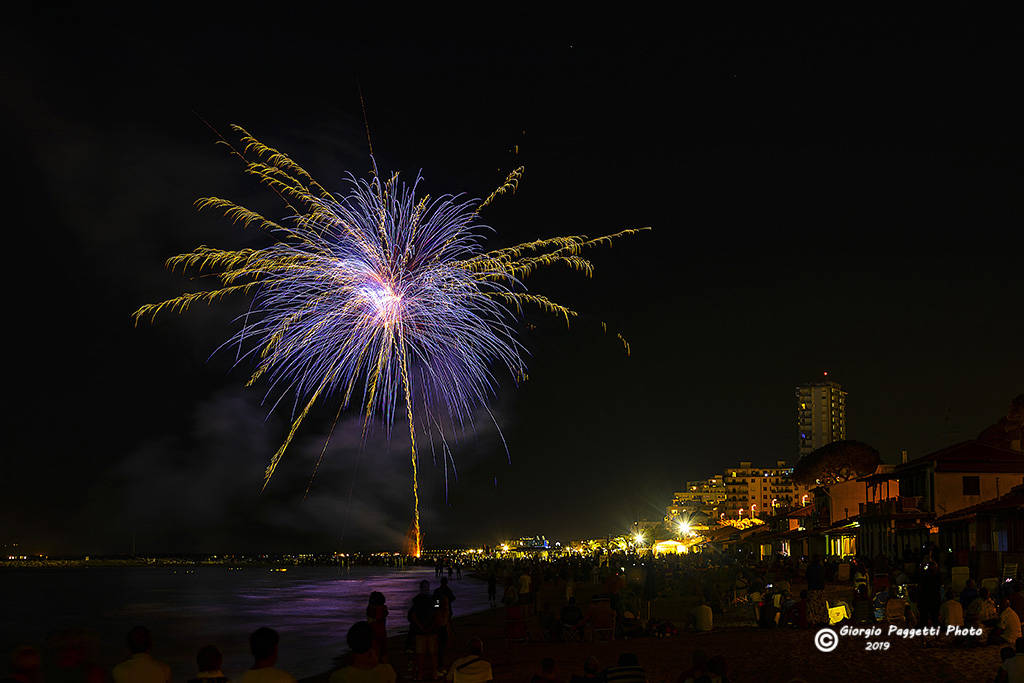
{"points": [[242, 270]]}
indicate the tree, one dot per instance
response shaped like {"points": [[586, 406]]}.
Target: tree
{"points": [[1007, 432], [836, 462]]}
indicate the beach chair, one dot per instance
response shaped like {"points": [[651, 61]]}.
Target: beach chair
{"points": [[960, 577], [837, 613], [843, 574], [1009, 570]]}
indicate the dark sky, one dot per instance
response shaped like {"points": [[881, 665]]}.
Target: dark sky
{"points": [[830, 196]]}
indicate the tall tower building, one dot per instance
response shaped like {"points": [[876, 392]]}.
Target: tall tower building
{"points": [[821, 414]]}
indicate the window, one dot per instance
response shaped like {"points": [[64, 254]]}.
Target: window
{"points": [[972, 486]]}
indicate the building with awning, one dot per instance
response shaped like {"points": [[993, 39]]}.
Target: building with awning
{"points": [[986, 536]]}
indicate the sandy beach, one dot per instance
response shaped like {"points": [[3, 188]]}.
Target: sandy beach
{"points": [[752, 654]]}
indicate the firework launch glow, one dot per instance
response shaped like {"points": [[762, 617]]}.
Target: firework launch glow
{"points": [[376, 297]]}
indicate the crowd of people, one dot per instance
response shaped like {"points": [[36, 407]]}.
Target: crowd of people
{"points": [[612, 597]]}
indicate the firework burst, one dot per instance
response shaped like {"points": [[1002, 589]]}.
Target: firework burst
{"points": [[376, 297]]}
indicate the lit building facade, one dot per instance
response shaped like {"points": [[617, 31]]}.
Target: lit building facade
{"points": [[760, 491], [704, 495], [821, 415]]}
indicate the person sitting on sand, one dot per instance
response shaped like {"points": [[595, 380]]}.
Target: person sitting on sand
{"points": [[365, 667], [951, 612], [969, 593], [1008, 628], [982, 609], [571, 616], [701, 617], [698, 671], [141, 667], [209, 661], [591, 672], [472, 668], [263, 644], [1017, 599], [1010, 669], [548, 672], [863, 611], [717, 669], [26, 665], [628, 670]]}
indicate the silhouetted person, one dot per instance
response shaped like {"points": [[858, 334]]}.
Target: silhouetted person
{"points": [[472, 668], [141, 667], [591, 672], [377, 616], [74, 661], [443, 599], [423, 625], [572, 616], [492, 588], [548, 671], [628, 670], [263, 644], [699, 668], [365, 667], [209, 661], [25, 666]]}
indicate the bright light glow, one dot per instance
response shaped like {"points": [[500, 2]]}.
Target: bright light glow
{"points": [[684, 528], [639, 538]]}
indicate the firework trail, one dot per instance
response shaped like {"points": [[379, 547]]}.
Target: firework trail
{"points": [[375, 297]]}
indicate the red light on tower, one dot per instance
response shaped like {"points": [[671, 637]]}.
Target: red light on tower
{"points": [[826, 373]]}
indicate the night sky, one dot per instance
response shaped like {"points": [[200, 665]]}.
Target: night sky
{"points": [[832, 196]]}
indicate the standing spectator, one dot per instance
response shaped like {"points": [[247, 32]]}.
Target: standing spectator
{"points": [[263, 644], [492, 588], [524, 588], [929, 595], [365, 666], [141, 667], [377, 617], [209, 661], [472, 668], [423, 626], [443, 599], [511, 595], [817, 612]]}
